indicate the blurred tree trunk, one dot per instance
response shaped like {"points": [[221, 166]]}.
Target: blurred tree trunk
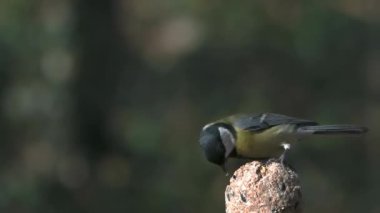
{"points": [[373, 114], [5, 61], [101, 61]]}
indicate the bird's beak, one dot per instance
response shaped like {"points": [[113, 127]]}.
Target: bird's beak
{"points": [[224, 168]]}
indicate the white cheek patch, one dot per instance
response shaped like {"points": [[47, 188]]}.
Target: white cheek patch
{"points": [[228, 140]]}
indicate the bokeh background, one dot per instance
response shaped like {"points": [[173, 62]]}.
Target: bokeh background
{"points": [[101, 101]]}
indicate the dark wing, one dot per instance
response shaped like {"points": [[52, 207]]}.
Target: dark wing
{"points": [[264, 121]]}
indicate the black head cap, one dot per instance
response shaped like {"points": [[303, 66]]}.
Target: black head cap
{"points": [[212, 145]]}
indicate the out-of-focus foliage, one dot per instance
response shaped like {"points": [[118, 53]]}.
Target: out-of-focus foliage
{"points": [[102, 101]]}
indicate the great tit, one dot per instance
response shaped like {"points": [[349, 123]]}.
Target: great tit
{"points": [[260, 136]]}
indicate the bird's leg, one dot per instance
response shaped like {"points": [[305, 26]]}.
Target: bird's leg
{"points": [[286, 147]]}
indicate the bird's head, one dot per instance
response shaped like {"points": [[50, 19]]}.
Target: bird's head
{"points": [[218, 142]]}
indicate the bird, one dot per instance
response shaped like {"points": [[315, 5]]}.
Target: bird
{"points": [[262, 136]]}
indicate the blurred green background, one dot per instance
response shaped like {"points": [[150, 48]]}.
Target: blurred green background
{"points": [[101, 101]]}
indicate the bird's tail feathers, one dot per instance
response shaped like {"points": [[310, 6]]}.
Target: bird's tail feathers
{"points": [[332, 130]]}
